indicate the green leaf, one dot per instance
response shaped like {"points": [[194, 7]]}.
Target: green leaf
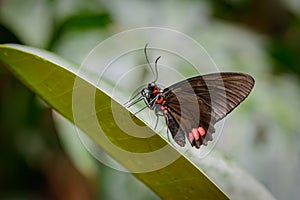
{"points": [[179, 179]]}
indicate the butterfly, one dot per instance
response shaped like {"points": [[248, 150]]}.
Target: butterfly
{"points": [[193, 106]]}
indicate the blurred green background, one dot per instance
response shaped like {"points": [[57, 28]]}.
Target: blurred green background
{"points": [[259, 37]]}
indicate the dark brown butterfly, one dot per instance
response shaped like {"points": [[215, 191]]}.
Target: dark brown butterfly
{"points": [[193, 106]]}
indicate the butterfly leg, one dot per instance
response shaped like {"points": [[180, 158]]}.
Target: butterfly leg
{"points": [[158, 114], [156, 122], [167, 122]]}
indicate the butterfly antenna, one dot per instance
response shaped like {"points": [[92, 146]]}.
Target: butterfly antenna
{"points": [[145, 52], [156, 73]]}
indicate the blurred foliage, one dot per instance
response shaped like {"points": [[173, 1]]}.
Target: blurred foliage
{"points": [[31, 159], [271, 18], [79, 22], [28, 141], [32, 162]]}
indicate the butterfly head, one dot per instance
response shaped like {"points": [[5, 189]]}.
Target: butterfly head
{"points": [[152, 86], [150, 93]]}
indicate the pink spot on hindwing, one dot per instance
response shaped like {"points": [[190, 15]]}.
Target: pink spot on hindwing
{"points": [[195, 133], [201, 130], [164, 108]]}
